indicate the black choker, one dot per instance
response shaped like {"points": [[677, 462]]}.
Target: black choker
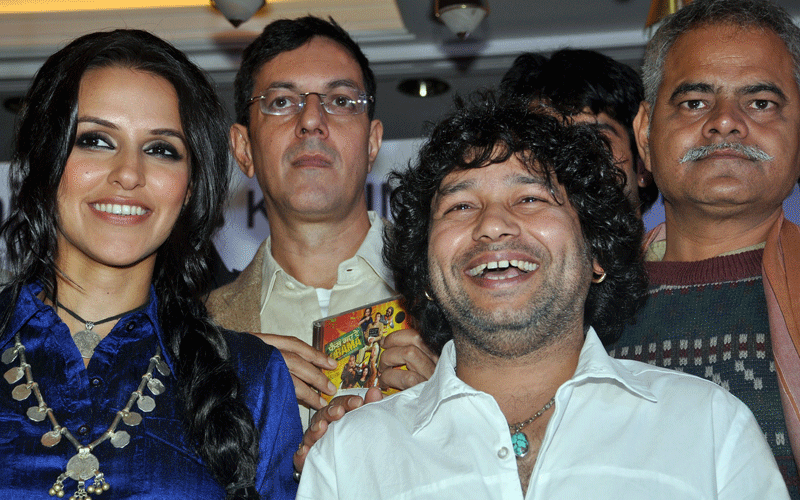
{"points": [[87, 339]]}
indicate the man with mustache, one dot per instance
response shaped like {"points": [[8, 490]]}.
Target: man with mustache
{"points": [[305, 128], [517, 248], [720, 131]]}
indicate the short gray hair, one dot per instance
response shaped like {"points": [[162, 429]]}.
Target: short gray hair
{"points": [[759, 14]]}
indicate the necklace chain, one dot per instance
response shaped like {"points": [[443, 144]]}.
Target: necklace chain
{"points": [[518, 438], [84, 465], [87, 339], [91, 324]]}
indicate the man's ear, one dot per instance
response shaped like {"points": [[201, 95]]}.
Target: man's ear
{"points": [[375, 141], [242, 149], [643, 176], [598, 273], [641, 131]]}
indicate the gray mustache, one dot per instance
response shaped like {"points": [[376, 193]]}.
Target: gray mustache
{"points": [[752, 153]]}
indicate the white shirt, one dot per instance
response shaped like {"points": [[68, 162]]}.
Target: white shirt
{"points": [[620, 430]]}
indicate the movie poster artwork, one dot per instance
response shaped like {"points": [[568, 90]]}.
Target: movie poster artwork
{"points": [[355, 339]]}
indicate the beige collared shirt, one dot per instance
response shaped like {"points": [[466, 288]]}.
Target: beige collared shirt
{"points": [[289, 307]]}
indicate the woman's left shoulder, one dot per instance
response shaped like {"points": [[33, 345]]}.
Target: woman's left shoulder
{"points": [[249, 353]]}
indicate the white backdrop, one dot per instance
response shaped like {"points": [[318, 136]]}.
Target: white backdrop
{"points": [[246, 225]]}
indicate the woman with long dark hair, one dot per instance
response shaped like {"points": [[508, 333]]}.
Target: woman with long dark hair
{"points": [[118, 379]]}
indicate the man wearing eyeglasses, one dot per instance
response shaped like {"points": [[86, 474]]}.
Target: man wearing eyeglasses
{"points": [[305, 129]]}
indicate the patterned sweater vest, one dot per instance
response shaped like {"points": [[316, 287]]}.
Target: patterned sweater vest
{"points": [[709, 318]]}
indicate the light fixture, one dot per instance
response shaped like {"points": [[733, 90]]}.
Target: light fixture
{"points": [[423, 87], [462, 17], [659, 9], [237, 11]]}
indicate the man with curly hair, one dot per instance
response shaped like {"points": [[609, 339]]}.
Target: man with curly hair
{"points": [[520, 259]]}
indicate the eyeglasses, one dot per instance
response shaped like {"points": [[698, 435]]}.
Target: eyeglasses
{"points": [[284, 102]]}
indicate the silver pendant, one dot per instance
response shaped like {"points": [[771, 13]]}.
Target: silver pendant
{"points": [[82, 466], [10, 354], [120, 439], [155, 386], [132, 418], [162, 367], [146, 404], [37, 413], [86, 340], [52, 438], [21, 392], [14, 375]]}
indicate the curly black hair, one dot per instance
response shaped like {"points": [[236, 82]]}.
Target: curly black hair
{"points": [[482, 131]]}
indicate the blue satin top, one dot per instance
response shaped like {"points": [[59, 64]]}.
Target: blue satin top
{"points": [[158, 462]]}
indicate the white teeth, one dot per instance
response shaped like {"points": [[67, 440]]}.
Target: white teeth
{"points": [[502, 264], [117, 209], [476, 270]]}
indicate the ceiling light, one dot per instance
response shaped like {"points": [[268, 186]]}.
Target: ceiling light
{"points": [[237, 11], [659, 9], [423, 87], [462, 17]]}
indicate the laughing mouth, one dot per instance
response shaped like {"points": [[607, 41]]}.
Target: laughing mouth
{"points": [[118, 209], [488, 269]]}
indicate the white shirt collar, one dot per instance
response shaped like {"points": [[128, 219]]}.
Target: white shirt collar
{"points": [[594, 366]]}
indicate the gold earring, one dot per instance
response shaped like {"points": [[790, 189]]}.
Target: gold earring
{"points": [[428, 296], [598, 278]]}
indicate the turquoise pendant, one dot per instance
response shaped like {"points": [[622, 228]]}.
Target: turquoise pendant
{"points": [[520, 443]]}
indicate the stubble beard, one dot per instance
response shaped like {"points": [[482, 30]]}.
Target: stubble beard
{"points": [[552, 311]]}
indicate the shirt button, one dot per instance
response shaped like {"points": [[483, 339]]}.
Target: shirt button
{"points": [[503, 453], [96, 382], [290, 285], [83, 430], [130, 326]]}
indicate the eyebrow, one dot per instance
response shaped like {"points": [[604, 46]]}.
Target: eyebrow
{"points": [[168, 132], [510, 180], [605, 126], [517, 179], [455, 187], [344, 82], [98, 121], [763, 87], [685, 88]]}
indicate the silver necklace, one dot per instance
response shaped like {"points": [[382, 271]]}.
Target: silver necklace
{"points": [[518, 438], [83, 465], [87, 339]]}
